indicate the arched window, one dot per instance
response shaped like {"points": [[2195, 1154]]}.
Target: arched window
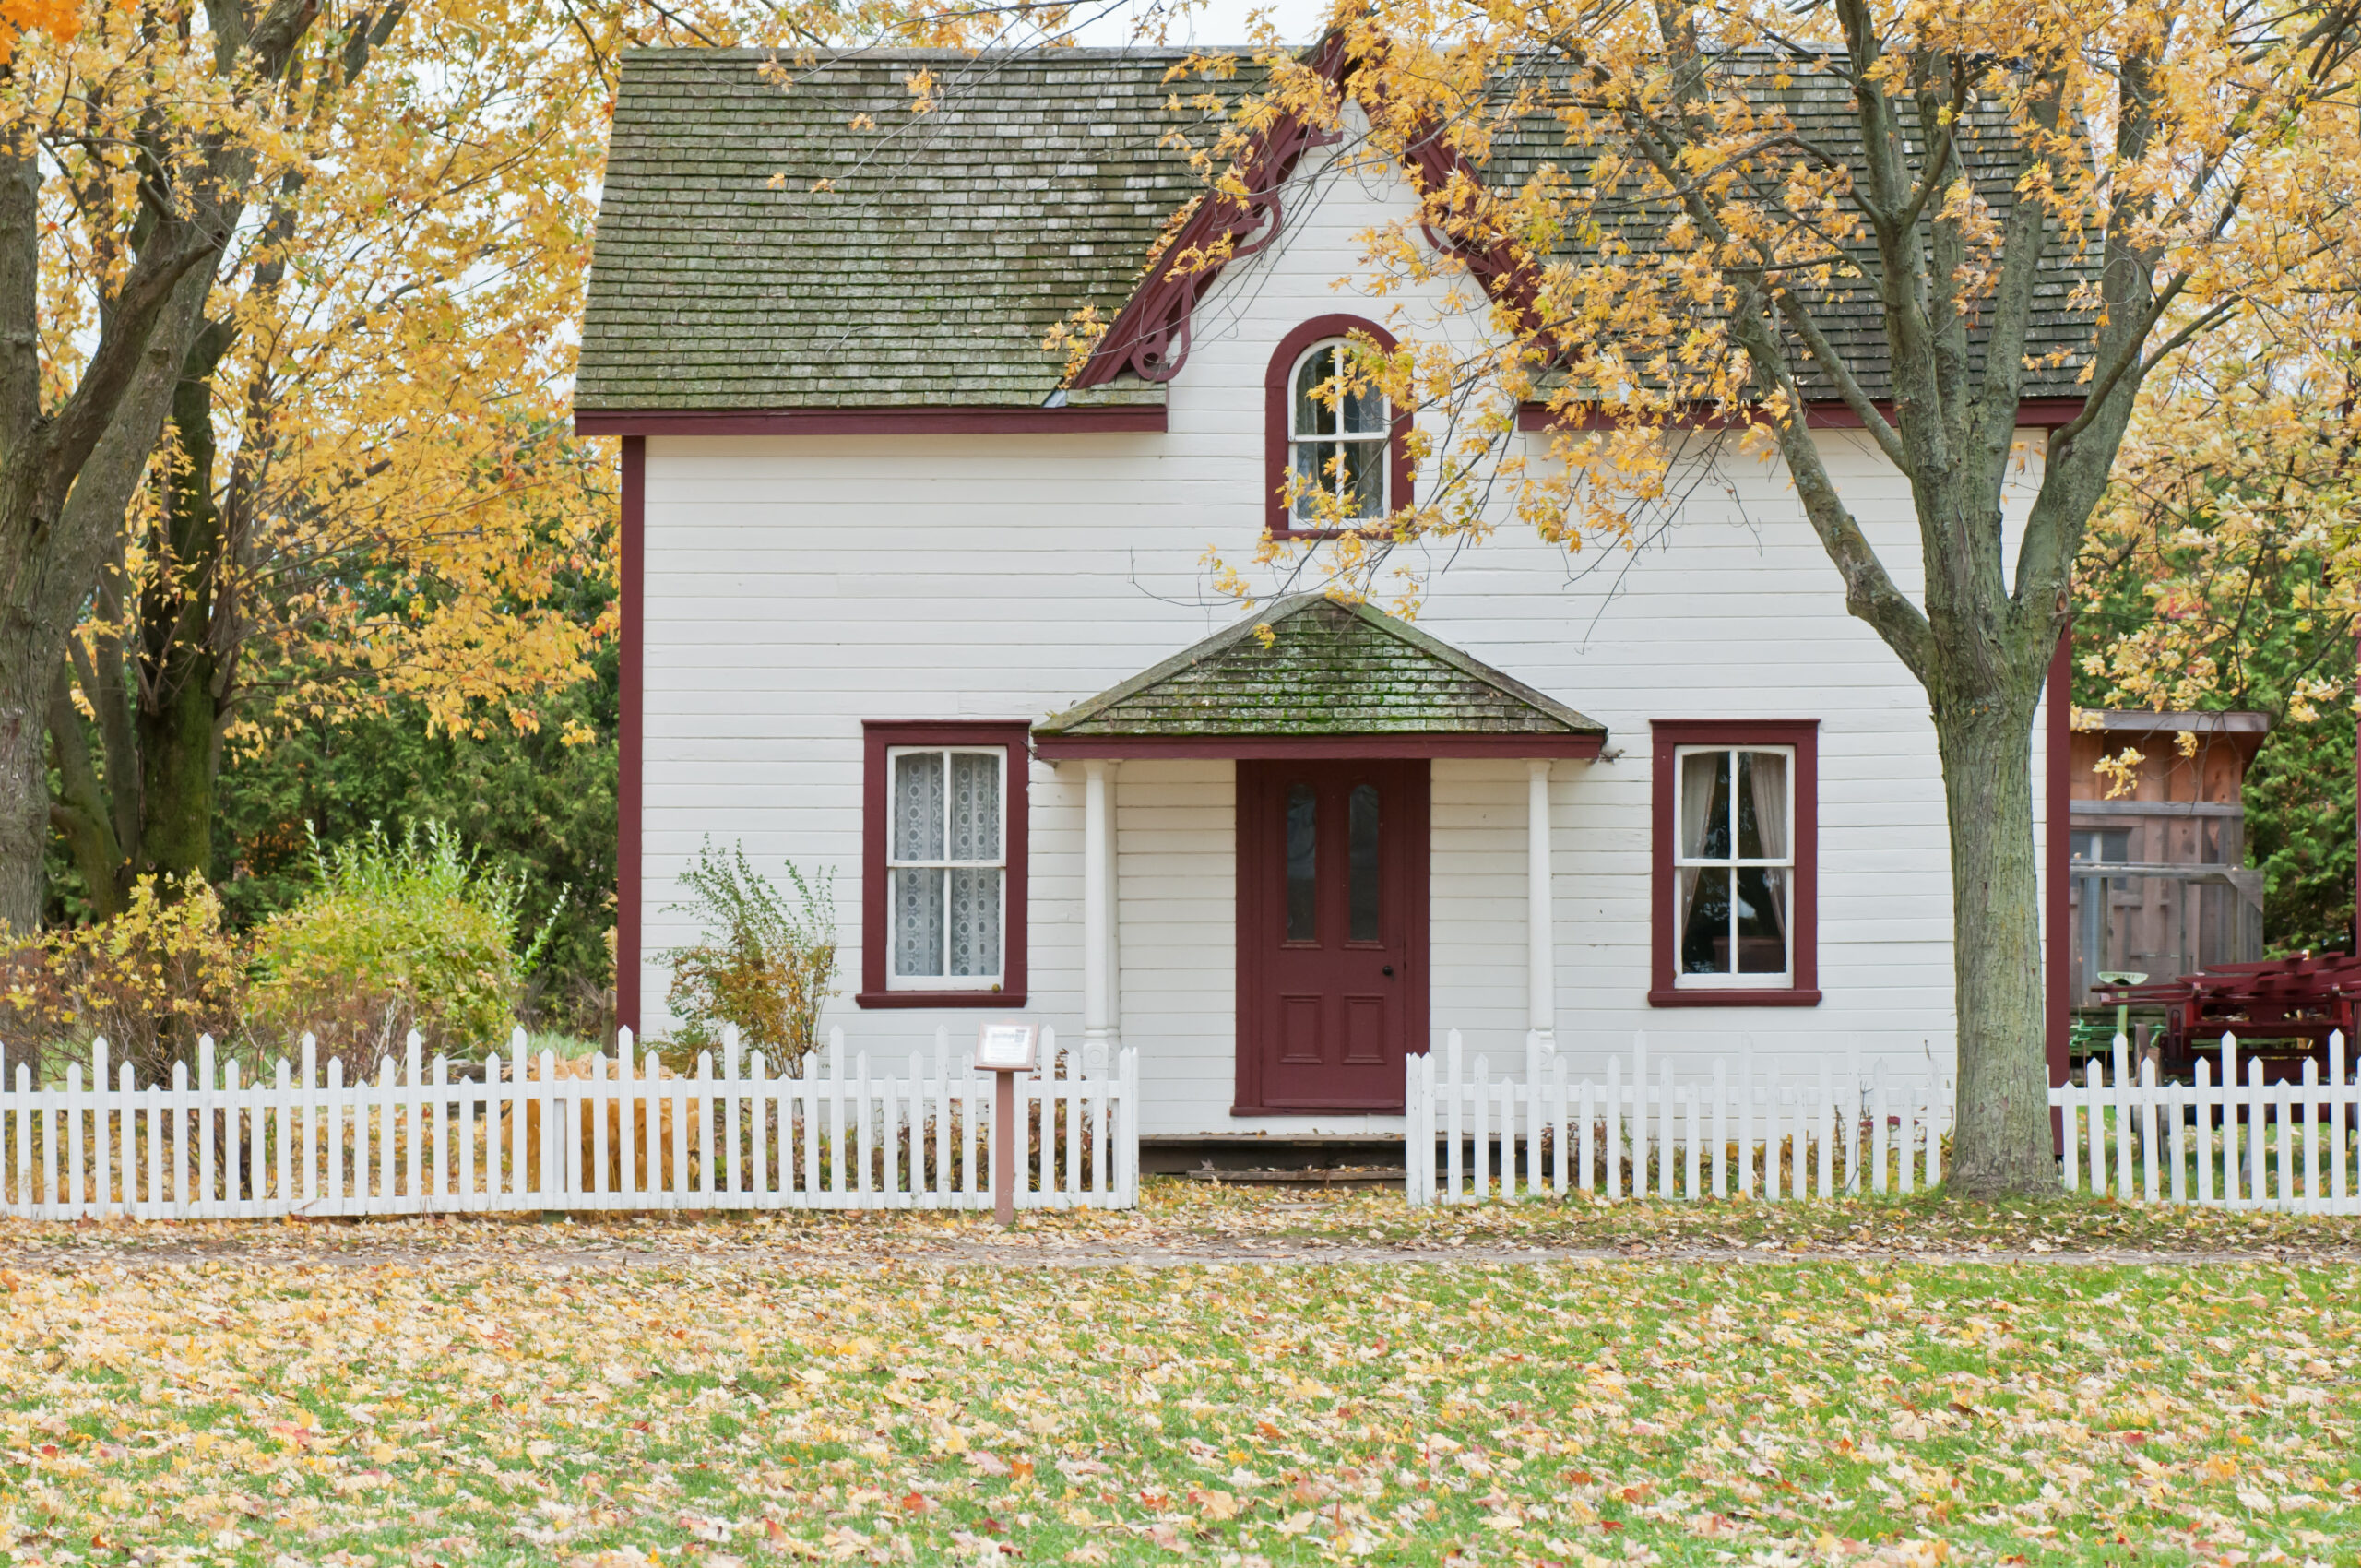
{"points": [[1338, 446], [1339, 434]]}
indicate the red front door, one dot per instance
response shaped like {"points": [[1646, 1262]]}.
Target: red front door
{"points": [[1332, 933]]}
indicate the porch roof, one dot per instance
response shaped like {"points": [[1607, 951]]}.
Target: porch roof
{"points": [[1334, 679]]}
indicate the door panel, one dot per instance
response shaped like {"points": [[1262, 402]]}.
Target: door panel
{"points": [[1332, 933]]}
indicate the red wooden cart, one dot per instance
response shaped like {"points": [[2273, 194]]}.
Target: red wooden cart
{"points": [[2282, 1010]]}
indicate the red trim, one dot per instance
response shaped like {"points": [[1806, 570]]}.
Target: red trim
{"points": [[1021, 420], [2032, 413], [2056, 856], [877, 735], [1064, 748], [631, 730], [1149, 337], [1257, 898], [1668, 734], [1701, 997], [1279, 400]]}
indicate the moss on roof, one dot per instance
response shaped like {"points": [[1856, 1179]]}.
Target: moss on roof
{"points": [[950, 244], [944, 246], [1329, 669]]}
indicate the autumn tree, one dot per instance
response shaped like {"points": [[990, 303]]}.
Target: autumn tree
{"points": [[2222, 570], [346, 473], [146, 132], [367, 482], [1689, 239]]}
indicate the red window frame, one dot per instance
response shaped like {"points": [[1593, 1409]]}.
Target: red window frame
{"points": [[1668, 734], [878, 737], [1279, 400]]}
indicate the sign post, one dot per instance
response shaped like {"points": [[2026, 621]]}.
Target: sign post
{"points": [[1004, 1050]]}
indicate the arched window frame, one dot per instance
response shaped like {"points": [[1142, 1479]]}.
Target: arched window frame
{"points": [[1278, 432]]}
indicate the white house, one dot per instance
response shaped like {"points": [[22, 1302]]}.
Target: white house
{"points": [[904, 600]]}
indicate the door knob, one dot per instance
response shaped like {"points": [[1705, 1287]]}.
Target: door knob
{"points": [[1389, 971]]}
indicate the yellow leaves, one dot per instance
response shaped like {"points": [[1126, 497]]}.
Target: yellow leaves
{"points": [[2120, 770]]}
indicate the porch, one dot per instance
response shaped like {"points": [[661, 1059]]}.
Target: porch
{"points": [[1323, 725]]}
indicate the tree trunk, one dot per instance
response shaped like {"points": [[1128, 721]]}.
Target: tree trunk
{"points": [[46, 592], [1986, 740], [179, 714], [24, 773]]}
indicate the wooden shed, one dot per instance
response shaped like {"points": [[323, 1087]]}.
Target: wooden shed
{"points": [[2160, 885]]}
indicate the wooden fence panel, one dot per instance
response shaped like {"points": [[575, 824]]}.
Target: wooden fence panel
{"points": [[522, 1132]]}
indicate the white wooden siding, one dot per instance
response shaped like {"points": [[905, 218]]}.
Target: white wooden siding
{"points": [[797, 586]]}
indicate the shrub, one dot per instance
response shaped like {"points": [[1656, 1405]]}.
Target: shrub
{"points": [[396, 936], [152, 981], [762, 965]]}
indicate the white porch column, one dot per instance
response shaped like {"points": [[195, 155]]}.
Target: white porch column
{"points": [[1114, 943], [1098, 907], [1541, 989]]}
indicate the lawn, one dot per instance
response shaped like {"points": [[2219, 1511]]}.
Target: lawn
{"points": [[727, 1401]]}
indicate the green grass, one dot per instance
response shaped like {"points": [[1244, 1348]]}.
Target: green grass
{"points": [[466, 1410]]}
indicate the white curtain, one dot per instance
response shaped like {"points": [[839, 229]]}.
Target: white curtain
{"points": [[1767, 780], [1699, 772]]}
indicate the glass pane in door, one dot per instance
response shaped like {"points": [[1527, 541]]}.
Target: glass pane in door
{"points": [[1361, 853], [1303, 863]]}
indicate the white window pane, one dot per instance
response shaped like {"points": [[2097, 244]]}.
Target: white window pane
{"points": [[975, 923], [1364, 481], [1705, 926], [1704, 805], [1762, 806], [974, 806], [1313, 414], [1365, 412], [918, 922], [918, 806], [1312, 469], [1761, 920]]}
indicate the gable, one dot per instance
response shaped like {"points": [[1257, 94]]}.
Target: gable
{"points": [[1329, 670]]}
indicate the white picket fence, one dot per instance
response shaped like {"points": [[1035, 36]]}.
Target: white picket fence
{"points": [[534, 1133], [1469, 1136], [2217, 1141]]}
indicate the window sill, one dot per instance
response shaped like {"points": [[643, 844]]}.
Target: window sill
{"points": [[1000, 999], [1703, 996], [1374, 531]]}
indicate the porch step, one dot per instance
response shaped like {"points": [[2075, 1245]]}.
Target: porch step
{"points": [[1343, 1176]]}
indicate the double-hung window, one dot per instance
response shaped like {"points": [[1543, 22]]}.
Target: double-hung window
{"points": [[1737, 835], [942, 864], [1336, 451], [1340, 440], [1737, 864], [947, 867]]}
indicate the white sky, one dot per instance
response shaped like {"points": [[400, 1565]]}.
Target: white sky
{"points": [[1214, 22]]}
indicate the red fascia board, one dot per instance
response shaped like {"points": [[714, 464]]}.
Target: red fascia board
{"points": [[872, 422], [1293, 748], [631, 751], [2034, 413]]}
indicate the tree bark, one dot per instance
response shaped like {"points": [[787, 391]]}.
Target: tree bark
{"points": [[47, 591], [178, 724], [1983, 733]]}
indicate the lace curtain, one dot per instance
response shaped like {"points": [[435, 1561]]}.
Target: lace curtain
{"points": [[947, 911]]}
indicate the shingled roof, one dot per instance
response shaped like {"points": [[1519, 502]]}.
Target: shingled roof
{"points": [[949, 242], [1330, 670]]}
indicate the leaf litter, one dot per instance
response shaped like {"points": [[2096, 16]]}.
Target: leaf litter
{"points": [[855, 1390]]}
